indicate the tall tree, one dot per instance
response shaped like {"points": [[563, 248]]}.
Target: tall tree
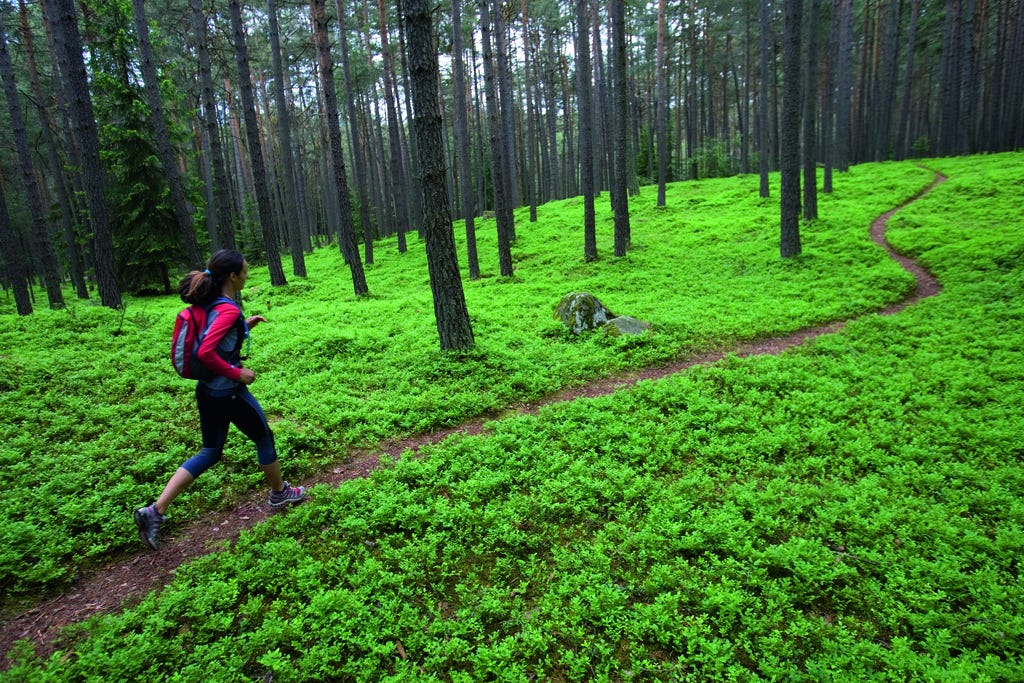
{"points": [[661, 105], [162, 138], [502, 202], [346, 236], [13, 260], [620, 200], [844, 83], [789, 243], [462, 143], [762, 103], [450, 310], [810, 108], [292, 229], [586, 104], [252, 136], [356, 140], [64, 20], [219, 192], [40, 224], [902, 145], [396, 158], [53, 150]]}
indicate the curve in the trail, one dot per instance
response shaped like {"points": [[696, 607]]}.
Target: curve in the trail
{"points": [[127, 579]]}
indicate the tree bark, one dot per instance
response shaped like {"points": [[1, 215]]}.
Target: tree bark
{"points": [[462, 143], [356, 141], [290, 199], [14, 260], [450, 310], [40, 223], [502, 203], [661, 105], [789, 243], [252, 134], [586, 104], [810, 107], [64, 20], [219, 193], [346, 236], [762, 104], [620, 200]]}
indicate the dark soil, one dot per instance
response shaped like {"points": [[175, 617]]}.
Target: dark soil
{"points": [[126, 580]]}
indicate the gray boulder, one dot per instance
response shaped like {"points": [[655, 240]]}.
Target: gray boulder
{"points": [[580, 311], [625, 325]]}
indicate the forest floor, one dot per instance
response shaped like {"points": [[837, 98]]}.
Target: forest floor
{"points": [[125, 580]]}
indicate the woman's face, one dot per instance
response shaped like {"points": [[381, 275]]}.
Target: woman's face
{"points": [[238, 279]]}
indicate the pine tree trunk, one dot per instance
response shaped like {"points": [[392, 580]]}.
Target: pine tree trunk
{"points": [[14, 260], [359, 173], [844, 84], [790, 132], [502, 206], [396, 162], [290, 198], [62, 17], [346, 236], [810, 107], [620, 200], [252, 134], [586, 104], [462, 143], [450, 310], [219, 192], [661, 105], [60, 179], [763, 152], [42, 230]]}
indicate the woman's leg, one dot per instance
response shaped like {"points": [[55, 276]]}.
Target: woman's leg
{"points": [[214, 423], [248, 416]]}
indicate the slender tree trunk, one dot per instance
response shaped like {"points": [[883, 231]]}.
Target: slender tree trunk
{"points": [[502, 206], [586, 104], [790, 133], [14, 259], [844, 84], [903, 141], [529, 172], [661, 105], [346, 233], [61, 14], [61, 182], [356, 141], [450, 310], [291, 211], [620, 201], [162, 138], [220, 191], [762, 103], [507, 120], [462, 144], [810, 102], [40, 224], [398, 184], [252, 133]]}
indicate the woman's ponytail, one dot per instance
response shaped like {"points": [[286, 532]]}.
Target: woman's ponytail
{"points": [[202, 286]]}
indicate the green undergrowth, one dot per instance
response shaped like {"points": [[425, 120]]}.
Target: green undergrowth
{"points": [[849, 510]]}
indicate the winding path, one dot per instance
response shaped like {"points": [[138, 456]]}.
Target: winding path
{"points": [[127, 579]]}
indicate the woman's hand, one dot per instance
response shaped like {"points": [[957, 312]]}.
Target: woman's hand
{"points": [[246, 376], [254, 320]]}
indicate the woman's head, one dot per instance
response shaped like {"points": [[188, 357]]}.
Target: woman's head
{"points": [[202, 286]]}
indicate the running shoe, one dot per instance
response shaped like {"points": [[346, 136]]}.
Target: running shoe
{"points": [[148, 520], [290, 494]]}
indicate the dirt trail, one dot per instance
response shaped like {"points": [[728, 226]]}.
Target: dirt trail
{"points": [[125, 580]]}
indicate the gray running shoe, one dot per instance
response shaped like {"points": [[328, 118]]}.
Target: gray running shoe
{"points": [[148, 520], [290, 494]]}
